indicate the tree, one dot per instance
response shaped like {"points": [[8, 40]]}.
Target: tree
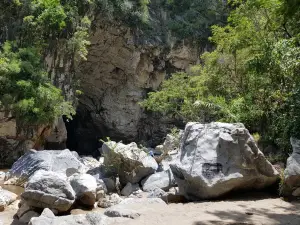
{"points": [[252, 76]]}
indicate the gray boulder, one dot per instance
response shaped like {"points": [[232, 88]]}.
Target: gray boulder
{"points": [[57, 161], [48, 218], [6, 198], [217, 158], [47, 189], [129, 189], [128, 161], [291, 183], [164, 180], [85, 187]]}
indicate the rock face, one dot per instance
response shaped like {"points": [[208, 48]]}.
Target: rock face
{"points": [[218, 158], [58, 161], [47, 189], [164, 180], [118, 73], [85, 187], [292, 172], [128, 161], [6, 198]]}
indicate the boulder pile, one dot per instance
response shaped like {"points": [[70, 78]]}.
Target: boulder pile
{"points": [[202, 162]]}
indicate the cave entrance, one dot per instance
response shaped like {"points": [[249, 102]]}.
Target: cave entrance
{"points": [[81, 136]]}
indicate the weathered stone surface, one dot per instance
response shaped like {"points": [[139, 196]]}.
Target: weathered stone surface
{"points": [[6, 198], [47, 189], [129, 188], [217, 158], [131, 163], [48, 218], [120, 73], [109, 201], [58, 161], [85, 187], [292, 171], [164, 180]]}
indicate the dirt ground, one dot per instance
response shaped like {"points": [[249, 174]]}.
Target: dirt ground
{"points": [[245, 210]]}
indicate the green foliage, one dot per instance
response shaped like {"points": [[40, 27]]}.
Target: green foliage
{"points": [[191, 19], [252, 76], [25, 89], [36, 28]]}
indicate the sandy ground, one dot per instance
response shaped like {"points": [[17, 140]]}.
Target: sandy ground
{"points": [[237, 211]]}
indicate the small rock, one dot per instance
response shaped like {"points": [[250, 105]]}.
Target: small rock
{"points": [[84, 186], [116, 211], [129, 188], [109, 201], [6, 198], [163, 180]]}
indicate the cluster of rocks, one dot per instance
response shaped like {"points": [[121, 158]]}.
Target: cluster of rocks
{"points": [[212, 160]]}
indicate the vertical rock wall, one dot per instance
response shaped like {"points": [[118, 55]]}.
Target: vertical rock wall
{"points": [[117, 75]]}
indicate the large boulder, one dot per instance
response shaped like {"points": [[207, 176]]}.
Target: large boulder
{"points": [[217, 158], [6, 198], [48, 218], [52, 160], [291, 185], [164, 180], [85, 187], [128, 161], [47, 189]]}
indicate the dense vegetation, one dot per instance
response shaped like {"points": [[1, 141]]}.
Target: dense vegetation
{"points": [[252, 76]]}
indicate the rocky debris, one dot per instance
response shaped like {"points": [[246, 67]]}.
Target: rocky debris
{"points": [[109, 200], [292, 171], [129, 189], [128, 161], [48, 218], [85, 187], [164, 180], [90, 162], [47, 189], [51, 160], [6, 198], [217, 158]]}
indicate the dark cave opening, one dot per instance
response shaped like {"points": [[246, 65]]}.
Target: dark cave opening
{"points": [[81, 136]]}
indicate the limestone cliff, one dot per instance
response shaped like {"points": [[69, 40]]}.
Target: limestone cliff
{"points": [[117, 75]]}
